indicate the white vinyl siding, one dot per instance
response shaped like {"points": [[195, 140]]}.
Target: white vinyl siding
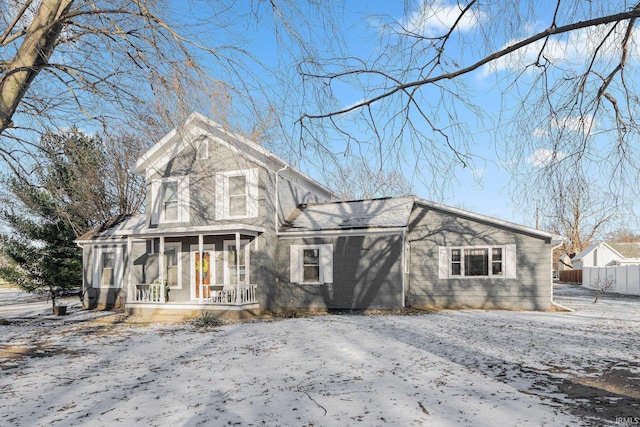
{"points": [[170, 200], [477, 261], [237, 194], [311, 264]]}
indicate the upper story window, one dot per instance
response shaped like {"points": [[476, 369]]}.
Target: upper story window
{"points": [[237, 194], [170, 200], [202, 149], [477, 261]]}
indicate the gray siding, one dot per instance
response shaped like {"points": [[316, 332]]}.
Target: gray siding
{"points": [[107, 296], [202, 184], [367, 274], [429, 229]]}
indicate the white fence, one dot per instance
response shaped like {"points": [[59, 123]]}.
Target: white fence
{"points": [[626, 278]]}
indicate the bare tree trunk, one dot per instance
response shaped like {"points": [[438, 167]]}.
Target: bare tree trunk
{"points": [[31, 57]]}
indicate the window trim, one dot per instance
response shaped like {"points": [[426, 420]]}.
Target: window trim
{"points": [[325, 264], [228, 196], [227, 274], [163, 207], [157, 199], [103, 255], [222, 198], [178, 248], [118, 266], [508, 262], [202, 149]]}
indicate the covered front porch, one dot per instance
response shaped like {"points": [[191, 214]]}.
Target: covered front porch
{"points": [[192, 270]]}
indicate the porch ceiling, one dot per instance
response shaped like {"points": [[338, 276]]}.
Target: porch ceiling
{"points": [[217, 230]]}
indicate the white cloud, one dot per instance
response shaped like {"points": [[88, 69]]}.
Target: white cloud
{"points": [[544, 157], [540, 133], [436, 17], [581, 124]]}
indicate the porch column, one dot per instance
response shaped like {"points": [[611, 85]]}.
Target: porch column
{"points": [[129, 289], [200, 251], [161, 267], [238, 298]]}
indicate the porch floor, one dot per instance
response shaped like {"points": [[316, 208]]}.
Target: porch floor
{"points": [[174, 311]]}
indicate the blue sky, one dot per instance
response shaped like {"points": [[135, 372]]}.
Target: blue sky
{"points": [[484, 185], [481, 187]]}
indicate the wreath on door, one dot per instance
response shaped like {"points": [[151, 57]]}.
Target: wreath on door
{"points": [[205, 267]]}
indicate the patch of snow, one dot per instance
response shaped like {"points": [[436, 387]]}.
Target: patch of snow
{"points": [[449, 368]]}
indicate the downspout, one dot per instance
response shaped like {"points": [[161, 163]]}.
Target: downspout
{"points": [[275, 207], [552, 302], [84, 284], [404, 267]]}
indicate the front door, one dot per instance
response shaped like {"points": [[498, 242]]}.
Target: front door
{"points": [[208, 271]]}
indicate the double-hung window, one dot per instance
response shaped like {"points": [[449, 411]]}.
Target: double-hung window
{"points": [[108, 269], [170, 200], [477, 261], [172, 264], [311, 264], [236, 262], [237, 194]]}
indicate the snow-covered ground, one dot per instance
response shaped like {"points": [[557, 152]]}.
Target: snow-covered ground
{"points": [[474, 367]]}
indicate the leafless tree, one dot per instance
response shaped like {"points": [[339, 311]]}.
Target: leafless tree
{"points": [[602, 286], [361, 179], [623, 235], [95, 63], [574, 209], [566, 71]]}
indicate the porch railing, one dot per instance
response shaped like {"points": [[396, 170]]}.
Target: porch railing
{"points": [[228, 294], [146, 293], [219, 294]]}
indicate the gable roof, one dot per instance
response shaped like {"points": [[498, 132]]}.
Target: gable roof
{"points": [[554, 238], [384, 213], [115, 227], [627, 249], [197, 126], [350, 215], [586, 251]]}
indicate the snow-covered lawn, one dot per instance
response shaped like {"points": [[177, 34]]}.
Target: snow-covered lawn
{"points": [[475, 367]]}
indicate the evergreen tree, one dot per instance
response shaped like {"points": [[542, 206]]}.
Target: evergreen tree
{"points": [[68, 193]]}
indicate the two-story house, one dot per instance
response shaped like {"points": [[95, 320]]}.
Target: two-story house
{"points": [[232, 229]]}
